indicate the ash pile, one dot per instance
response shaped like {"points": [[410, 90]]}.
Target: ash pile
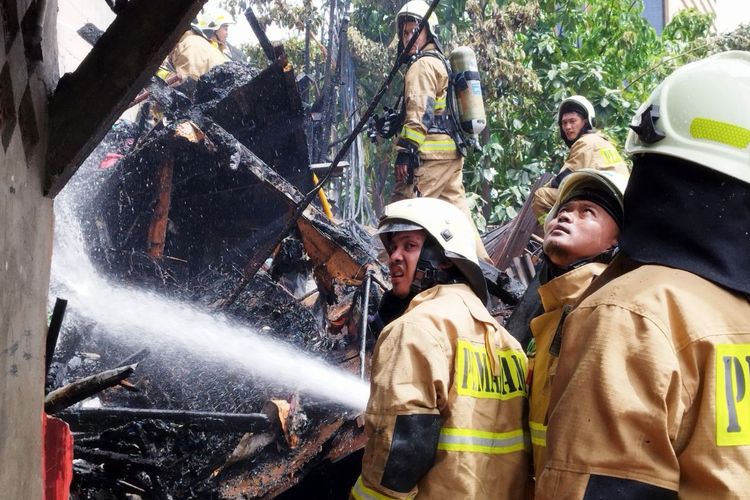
{"points": [[192, 205]]}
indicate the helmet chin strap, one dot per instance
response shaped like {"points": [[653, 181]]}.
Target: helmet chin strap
{"points": [[428, 272]]}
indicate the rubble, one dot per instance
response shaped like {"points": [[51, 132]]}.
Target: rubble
{"points": [[187, 207]]}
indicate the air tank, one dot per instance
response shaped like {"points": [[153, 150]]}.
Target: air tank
{"points": [[468, 89]]}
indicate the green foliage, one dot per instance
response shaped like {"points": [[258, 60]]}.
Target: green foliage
{"points": [[531, 54]]}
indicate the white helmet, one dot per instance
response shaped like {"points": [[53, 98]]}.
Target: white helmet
{"points": [[417, 9], [211, 19], [700, 113], [578, 104], [609, 188], [447, 225]]}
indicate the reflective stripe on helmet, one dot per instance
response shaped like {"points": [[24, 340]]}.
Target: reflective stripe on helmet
{"points": [[722, 132], [475, 441]]}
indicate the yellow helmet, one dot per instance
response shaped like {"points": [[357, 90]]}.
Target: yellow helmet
{"points": [[700, 113], [609, 187], [447, 225]]}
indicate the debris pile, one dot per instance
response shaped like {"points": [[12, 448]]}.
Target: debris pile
{"points": [[182, 203]]}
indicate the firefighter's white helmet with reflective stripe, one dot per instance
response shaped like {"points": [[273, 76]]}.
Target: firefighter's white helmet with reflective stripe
{"points": [[579, 104], [700, 113], [447, 225], [417, 10], [607, 183], [213, 18]]}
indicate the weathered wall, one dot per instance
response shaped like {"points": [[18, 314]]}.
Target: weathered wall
{"points": [[25, 242]]}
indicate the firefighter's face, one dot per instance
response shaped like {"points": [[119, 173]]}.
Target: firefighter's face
{"points": [[407, 29], [403, 254], [222, 32], [581, 229], [572, 124]]}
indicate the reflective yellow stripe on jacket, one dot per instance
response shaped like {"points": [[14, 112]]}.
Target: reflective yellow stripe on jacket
{"points": [[429, 146], [471, 440], [362, 492], [538, 433], [413, 135]]}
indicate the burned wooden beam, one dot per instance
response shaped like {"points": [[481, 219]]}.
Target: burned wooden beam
{"points": [[513, 239], [58, 313], [103, 456], [89, 419], [272, 477], [157, 231], [128, 53], [79, 390]]}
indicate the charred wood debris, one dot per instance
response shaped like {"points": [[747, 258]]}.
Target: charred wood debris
{"points": [[180, 206]]}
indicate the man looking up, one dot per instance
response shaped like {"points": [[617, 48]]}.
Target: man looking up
{"points": [[581, 238], [588, 149], [446, 410], [650, 397]]}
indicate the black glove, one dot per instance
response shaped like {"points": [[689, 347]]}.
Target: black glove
{"points": [[556, 180], [385, 126], [410, 158]]}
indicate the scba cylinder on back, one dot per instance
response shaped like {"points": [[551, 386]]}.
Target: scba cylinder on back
{"points": [[468, 90]]}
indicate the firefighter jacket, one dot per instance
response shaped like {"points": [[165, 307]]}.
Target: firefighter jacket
{"points": [[425, 98], [439, 424], [558, 296], [650, 395], [194, 56], [591, 150]]}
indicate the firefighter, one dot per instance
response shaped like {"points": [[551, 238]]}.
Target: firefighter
{"points": [[650, 395], [446, 410], [589, 148], [428, 162], [581, 238], [202, 47]]}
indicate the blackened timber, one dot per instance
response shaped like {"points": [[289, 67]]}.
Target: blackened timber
{"points": [[58, 313], [265, 43], [255, 165], [522, 227], [103, 456], [92, 419], [83, 108], [79, 390]]}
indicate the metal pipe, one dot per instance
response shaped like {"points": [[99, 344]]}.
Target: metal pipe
{"points": [[363, 334]]}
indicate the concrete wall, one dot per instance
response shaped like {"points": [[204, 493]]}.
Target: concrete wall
{"points": [[25, 244]]}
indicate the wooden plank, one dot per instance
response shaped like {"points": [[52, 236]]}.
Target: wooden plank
{"points": [[88, 101]]}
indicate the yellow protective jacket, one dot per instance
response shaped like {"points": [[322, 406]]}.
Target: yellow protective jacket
{"points": [[591, 150], [431, 368], [651, 390], [558, 296], [425, 92], [194, 56]]}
